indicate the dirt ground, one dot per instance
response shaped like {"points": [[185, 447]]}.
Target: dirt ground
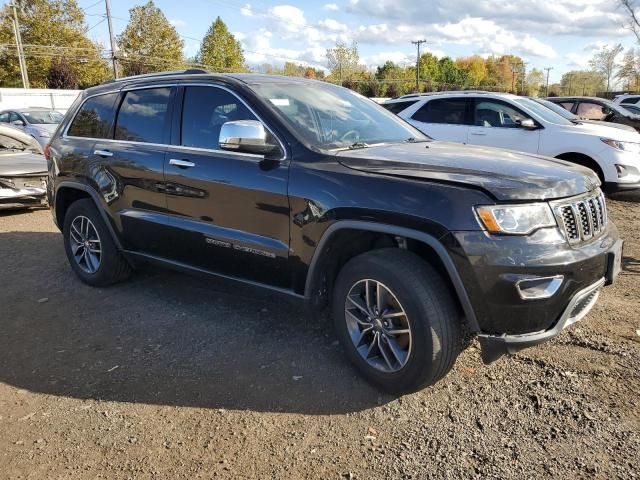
{"points": [[169, 376]]}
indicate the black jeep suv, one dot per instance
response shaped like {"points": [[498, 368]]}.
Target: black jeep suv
{"points": [[313, 191]]}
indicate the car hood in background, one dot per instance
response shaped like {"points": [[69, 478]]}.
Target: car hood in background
{"points": [[619, 126], [15, 164], [43, 127], [505, 174]]}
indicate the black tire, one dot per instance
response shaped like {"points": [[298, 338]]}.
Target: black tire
{"points": [[427, 300], [113, 266]]}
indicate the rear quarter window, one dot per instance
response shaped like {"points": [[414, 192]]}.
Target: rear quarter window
{"points": [[95, 117], [443, 110], [398, 107]]}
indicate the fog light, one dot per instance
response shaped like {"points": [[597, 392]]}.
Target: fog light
{"points": [[622, 171], [539, 287]]}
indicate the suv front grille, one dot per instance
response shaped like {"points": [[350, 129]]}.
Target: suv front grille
{"points": [[582, 218]]}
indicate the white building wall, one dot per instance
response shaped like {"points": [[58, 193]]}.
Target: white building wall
{"points": [[59, 100]]}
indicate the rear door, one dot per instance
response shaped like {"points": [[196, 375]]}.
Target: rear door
{"points": [[496, 124], [131, 166], [230, 210], [445, 119]]}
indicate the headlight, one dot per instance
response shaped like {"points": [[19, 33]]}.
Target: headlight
{"points": [[516, 219], [624, 146]]}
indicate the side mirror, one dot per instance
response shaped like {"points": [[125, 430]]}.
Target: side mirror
{"points": [[528, 124], [247, 136], [18, 123]]}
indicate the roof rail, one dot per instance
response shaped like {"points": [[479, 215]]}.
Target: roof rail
{"points": [[189, 71], [426, 94]]}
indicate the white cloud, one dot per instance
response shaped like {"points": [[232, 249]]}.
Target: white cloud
{"points": [[334, 25], [332, 7], [246, 10], [176, 22]]}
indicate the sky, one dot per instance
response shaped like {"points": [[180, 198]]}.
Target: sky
{"points": [[562, 34]]}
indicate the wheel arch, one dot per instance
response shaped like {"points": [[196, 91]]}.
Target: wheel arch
{"points": [[68, 192], [585, 161], [428, 247]]}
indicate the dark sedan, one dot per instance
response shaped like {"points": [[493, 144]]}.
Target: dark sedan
{"points": [[594, 108]]}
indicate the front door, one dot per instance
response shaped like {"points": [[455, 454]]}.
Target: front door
{"points": [[496, 124], [229, 210]]}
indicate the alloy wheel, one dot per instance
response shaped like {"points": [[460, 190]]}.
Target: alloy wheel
{"points": [[85, 244], [378, 325]]}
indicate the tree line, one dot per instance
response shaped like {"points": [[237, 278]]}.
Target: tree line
{"points": [[60, 54]]}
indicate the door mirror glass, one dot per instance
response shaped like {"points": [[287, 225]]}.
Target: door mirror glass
{"points": [[18, 123], [247, 136], [528, 124]]}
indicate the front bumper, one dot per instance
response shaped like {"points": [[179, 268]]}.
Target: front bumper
{"points": [[494, 346], [492, 269]]}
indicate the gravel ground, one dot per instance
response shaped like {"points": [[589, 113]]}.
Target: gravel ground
{"points": [[169, 376]]}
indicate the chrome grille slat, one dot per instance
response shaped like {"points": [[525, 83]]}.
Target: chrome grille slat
{"points": [[581, 218]]}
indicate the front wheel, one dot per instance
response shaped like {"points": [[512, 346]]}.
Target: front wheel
{"points": [[396, 320]]}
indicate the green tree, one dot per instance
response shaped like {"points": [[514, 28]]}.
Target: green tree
{"points": [[61, 75], [429, 67], [604, 62], [50, 29], [220, 51], [534, 80], [450, 74], [149, 43], [475, 69], [343, 61], [582, 82], [629, 71]]}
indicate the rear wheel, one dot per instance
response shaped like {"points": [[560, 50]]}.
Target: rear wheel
{"points": [[396, 320], [91, 251]]}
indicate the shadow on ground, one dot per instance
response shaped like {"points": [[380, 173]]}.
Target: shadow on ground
{"points": [[164, 338]]}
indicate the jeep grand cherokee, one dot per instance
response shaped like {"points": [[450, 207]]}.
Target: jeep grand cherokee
{"points": [[313, 191]]}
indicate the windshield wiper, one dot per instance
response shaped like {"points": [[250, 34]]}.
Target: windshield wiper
{"points": [[357, 145]]}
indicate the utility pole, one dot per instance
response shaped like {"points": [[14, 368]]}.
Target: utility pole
{"points": [[114, 60], [546, 89], [523, 79], [21, 59], [417, 43]]}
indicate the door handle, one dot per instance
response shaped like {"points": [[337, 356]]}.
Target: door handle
{"points": [[181, 163], [103, 153]]}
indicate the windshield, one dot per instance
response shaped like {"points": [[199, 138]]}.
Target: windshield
{"points": [[543, 112], [43, 116], [330, 117], [563, 112]]}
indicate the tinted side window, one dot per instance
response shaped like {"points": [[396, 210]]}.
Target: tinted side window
{"points": [[631, 100], [443, 110], [94, 118], [567, 105], [13, 117], [591, 111], [4, 117], [143, 115], [490, 113], [397, 107], [204, 111]]}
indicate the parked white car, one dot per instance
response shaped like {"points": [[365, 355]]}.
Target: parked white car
{"points": [[627, 98], [518, 123], [40, 123]]}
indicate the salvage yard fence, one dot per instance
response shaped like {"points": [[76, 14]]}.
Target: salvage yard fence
{"points": [[59, 100]]}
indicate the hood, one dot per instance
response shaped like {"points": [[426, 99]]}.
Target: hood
{"points": [[15, 164], [505, 174], [44, 127], [604, 130], [619, 126]]}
